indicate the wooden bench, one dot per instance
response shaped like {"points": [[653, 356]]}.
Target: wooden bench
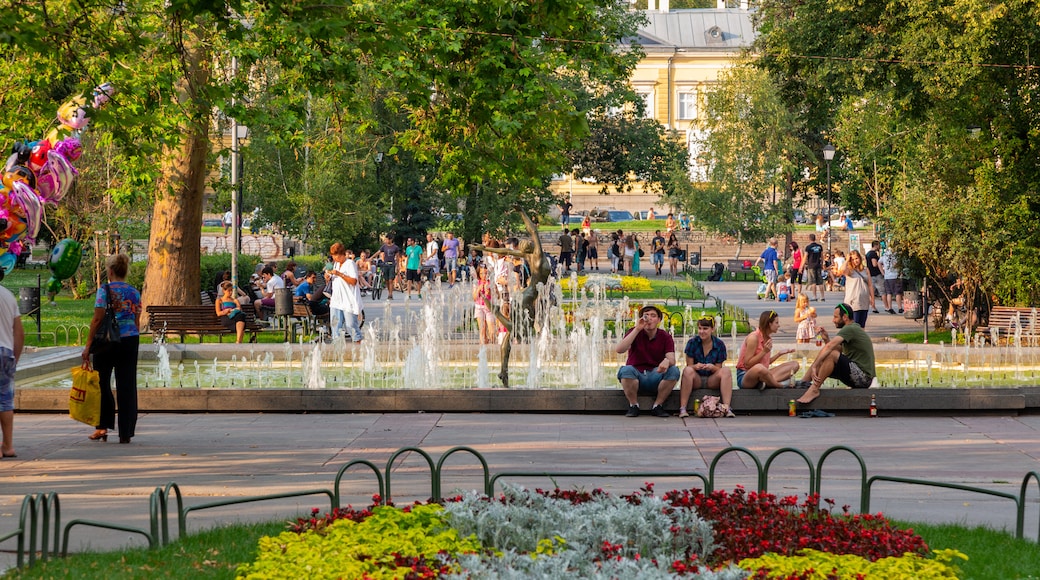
{"points": [[742, 267], [196, 320], [1004, 318]]}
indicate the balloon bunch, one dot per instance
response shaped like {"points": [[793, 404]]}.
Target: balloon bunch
{"points": [[39, 173]]}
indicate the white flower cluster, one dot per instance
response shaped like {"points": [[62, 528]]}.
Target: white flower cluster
{"points": [[572, 537]]}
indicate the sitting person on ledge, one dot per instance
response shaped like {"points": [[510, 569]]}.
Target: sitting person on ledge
{"points": [[650, 368], [753, 364], [848, 357], [706, 367]]}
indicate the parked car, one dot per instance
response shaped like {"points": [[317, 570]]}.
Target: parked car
{"points": [[212, 222], [619, 215]]}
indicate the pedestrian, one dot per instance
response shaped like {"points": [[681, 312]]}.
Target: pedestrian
{"points": [[657, 249], [859, 289], [125, 300], [794, 272], [769, 260], [345, 305], [12, 341], [812, 269], [565, 213], [893, 284], [227, 220], [482, 306]]}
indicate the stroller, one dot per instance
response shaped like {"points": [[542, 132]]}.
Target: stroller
{"points": [[717, 270], [763, 288]]}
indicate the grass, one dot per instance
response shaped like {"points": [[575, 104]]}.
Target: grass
{"points": [[58, 320], [991, 554], [215, 553]]}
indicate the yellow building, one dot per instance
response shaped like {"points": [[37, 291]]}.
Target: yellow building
{"points": [[684, 52]]}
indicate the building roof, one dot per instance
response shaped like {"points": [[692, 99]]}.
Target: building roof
{"points": [[722, 30]]}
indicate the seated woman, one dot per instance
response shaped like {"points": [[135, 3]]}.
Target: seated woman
{"points": [[366, 272], [753, 365], [705, 367], [229, 309], [289, 275]]}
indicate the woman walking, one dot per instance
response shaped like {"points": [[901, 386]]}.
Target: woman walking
{"points": [[125, 300], [673, 254]]}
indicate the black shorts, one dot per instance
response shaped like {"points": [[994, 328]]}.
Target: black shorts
{"points": [[231, 321], [847, 372], [412, 276]]}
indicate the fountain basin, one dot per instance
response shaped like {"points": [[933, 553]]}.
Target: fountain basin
{"points": [[605, 396]]}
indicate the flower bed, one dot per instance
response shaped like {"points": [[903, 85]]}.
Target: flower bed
{"points": [[576, 534]]}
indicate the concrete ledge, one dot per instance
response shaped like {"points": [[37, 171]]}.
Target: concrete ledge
{"points": [[890, 400]]}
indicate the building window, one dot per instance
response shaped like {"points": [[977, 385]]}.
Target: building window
{"points": [[687, 105], [648, 104]]}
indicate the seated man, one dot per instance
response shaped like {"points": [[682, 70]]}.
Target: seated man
{"points": [[650, 368], [270, 283], [705, 367], [848, 357], [308, 293]]}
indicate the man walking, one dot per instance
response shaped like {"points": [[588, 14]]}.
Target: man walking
{"points": [[769, 269], [345, 304], [566, 249], [388, 254], [413, 268], [657, 245]]}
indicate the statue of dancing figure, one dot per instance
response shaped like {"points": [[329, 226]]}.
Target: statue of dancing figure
{"points": [[540, 268]]}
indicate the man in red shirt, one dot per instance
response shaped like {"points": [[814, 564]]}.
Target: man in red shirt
{"points": [[650, 368]]}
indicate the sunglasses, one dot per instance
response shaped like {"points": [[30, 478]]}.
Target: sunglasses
{"points": [[706, 322]]}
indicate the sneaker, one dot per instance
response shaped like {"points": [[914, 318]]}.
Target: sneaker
{"points": [[875, 311], [729, 412], [633, 411], [658, 411], [683, 413], [890, 311]]}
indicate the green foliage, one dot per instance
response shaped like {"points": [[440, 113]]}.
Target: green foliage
{"points": [[992, 554], [816, 564], [372, 548]]}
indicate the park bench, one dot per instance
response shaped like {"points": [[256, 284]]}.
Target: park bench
{"points": [[742, 267], [1004, 318], [196, 320]]}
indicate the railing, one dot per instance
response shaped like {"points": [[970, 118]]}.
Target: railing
{"points": [[40, 512]]}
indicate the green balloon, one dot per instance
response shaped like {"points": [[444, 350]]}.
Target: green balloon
{"points": [[65, 259], [53, 286]]}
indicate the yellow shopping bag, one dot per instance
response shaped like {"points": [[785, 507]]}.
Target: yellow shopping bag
{"points": [[85, 396]]}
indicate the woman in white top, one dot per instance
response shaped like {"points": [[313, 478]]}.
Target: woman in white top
{"points": [[345, 304]]}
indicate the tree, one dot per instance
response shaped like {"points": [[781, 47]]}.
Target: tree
{"points": [[751, 151]]}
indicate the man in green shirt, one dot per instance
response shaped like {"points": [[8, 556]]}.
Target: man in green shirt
{"points": [[848, 357], [413, 251]]}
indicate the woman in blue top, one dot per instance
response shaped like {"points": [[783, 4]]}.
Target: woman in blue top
{"points": [[126, 301], [706, 367]]}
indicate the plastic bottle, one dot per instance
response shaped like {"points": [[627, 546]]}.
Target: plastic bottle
{"points": [[791, 408], [873, 405]]}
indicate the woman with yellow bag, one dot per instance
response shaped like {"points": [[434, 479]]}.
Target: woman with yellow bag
{"points": [[121, 357]]}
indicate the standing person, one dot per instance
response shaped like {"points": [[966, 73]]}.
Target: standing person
{"points": [[637, 255], [581, 246], [705, 367], [227, 219], [615, 252], [566, 249], [593, 250], [565, 213], [806, 325], [877, 278], [12, 341], [753, 365], [345, 305], [848, 357], [413, 268], [650, 215], [431, 257], [769, 270], [229, 309], [483, 310], [388, 254], [122, 360], [795, 271], [451, 257], [650, 367], [859, 290], [673, 254], [812, 269], [893, 283], [657, 247], [670, 224]]}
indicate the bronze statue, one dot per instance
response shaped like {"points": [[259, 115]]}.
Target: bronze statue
{"points": [[540, 268]]}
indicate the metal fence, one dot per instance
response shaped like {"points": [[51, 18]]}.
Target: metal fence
{"points": [[40, 535]]}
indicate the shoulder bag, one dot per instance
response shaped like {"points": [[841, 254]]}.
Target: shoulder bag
{"points": [[107, 335]]}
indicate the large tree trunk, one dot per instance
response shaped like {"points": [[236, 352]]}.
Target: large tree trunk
{"points": [[173, 272]]}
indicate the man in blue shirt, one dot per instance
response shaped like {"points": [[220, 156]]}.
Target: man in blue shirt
{"points": [[770, 268], [705, 367]]}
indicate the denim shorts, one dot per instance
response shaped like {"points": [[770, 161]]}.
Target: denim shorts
{"points": [[7, 368], [649, 380]]}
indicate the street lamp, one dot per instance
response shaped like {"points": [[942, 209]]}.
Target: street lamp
{"points": [[828, 155]]}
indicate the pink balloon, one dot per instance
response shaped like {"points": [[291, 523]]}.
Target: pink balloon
{"points": [[56, 177], [25, 198]]}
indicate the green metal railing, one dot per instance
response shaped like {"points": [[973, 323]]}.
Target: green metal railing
{"points": [[40, 513]]}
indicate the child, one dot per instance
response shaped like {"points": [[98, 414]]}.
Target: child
{"points": [[806, 323], [783, 289]]}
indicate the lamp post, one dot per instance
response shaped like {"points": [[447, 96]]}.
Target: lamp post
{"points": [[828, 155]]}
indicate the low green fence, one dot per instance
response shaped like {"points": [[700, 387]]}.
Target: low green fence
{"points": [[38, 535]]}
